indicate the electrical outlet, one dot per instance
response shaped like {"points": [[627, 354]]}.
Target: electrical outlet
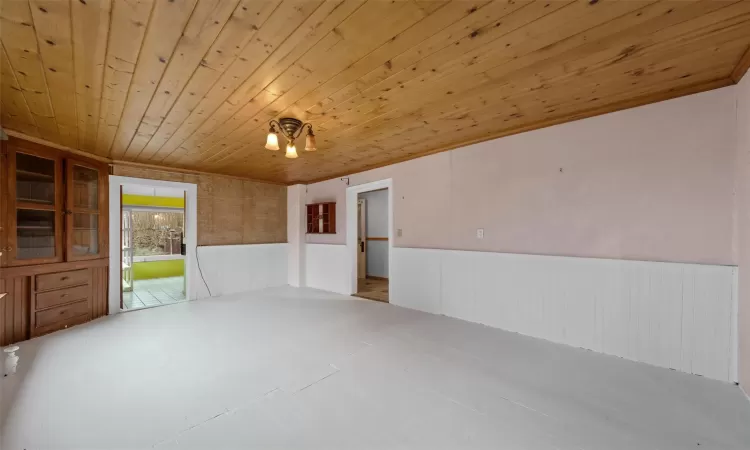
{"points": [[480, 233], [399, 233]]}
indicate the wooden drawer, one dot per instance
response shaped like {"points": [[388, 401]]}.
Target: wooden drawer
{"points": [[59, 280], [61, 325], [61, 296], [54, 317]]}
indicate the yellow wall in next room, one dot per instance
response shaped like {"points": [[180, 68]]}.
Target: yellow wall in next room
{"points": [[158, 269], [150, 200]]}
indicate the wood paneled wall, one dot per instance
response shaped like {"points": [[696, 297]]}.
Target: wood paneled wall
{"points": [[230, 210], [99, 291], [14, 310]]}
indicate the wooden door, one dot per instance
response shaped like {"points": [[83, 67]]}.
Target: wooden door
{"points": [[34, 207], [362, 238], [85, 211]]}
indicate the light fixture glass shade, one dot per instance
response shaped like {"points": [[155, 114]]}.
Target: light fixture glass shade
{"points": [[310, 143], [272, 141], [291, 150]]}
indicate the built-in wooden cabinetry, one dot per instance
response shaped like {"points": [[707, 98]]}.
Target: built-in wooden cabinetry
{"points": [[53, 238]]}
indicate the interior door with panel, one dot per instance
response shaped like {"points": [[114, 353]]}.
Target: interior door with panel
{"points": [[34, 207], [85, 211], [362, 238]]}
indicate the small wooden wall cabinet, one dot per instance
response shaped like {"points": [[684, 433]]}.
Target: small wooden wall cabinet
{"points": [[53, 239], [321, 218]]}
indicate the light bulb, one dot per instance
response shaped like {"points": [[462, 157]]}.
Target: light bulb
{"points": [[291, 150], [272, 141], [310, 142]]}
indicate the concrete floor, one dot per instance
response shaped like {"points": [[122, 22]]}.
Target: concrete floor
{"points": [[302, 369]]}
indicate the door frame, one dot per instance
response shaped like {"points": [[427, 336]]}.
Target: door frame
{"points": [[351, 227], [115, 246]]}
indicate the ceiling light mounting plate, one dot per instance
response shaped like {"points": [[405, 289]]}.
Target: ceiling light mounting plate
{"points": [[290, 127]]}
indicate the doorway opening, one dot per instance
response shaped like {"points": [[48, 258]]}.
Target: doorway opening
{"points": [[152, 263], [373, 245]]}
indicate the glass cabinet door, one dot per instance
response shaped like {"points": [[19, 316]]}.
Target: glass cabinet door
{"points": [[35, 225], [83, 212]]}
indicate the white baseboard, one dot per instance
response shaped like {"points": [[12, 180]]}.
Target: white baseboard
{"points": [[327, 267], [672, 315], [229, 269]]}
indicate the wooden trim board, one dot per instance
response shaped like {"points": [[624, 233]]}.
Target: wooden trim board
{"points": [[742, 67], [369, 238]]}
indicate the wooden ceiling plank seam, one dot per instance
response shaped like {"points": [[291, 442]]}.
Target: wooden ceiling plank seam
{"points": [[91, 22], [383, 101], [597, 44], [567, 95], [474, 21], [738, 28], [291, 108], [584, 96], [488, 115], [9, 121], [566, 62], [520, 18], [451, 41], [229, 78], [282, 22], [308, 75], [470, 14], [532, 45], [208, 73], [129, 23], [742, 66], [572, 114], [278, 64], [588, 11], [17, 28], [531, 16], [166, 26], [277, 67], [469, 60], [191, 50], [225, 132], [11, 91], [531, 83], [632, 103], [51, 19], [76, 130], [155, 117]]}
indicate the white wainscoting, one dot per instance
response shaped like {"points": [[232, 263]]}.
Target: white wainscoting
{"points": [[327, 267], [679, 316], [229, 269]]}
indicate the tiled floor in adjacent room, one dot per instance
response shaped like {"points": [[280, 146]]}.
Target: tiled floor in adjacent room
{"points": [[154, 292], [288, 368]]}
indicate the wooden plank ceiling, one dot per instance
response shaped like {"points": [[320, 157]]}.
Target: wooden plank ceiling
{"points": [[193, 83]]}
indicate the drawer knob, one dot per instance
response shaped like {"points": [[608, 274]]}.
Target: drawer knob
{"points": [[64, 278], [64, 295]]}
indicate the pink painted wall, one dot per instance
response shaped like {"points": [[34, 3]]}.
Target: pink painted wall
{"points": [[743, 228], [650, 183]]}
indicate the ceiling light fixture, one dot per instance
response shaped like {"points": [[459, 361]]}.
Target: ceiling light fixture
{"points": [[291, 129]]}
